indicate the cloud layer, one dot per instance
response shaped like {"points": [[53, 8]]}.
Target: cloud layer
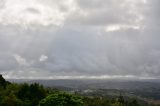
{"points": [[79, 39]]}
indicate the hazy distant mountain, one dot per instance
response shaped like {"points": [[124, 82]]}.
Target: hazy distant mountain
{"points": [[97, 84]]}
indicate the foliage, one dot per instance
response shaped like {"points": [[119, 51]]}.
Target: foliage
{"points": [[61, 99], [31, 93], [11, 100], [3, 82]]}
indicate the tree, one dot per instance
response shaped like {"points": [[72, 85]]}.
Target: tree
{"points": [[37, 92], [32, 93], [23, 93], [11, 100], [121, 99], [133, 103], [61, 99], [3, 82]]}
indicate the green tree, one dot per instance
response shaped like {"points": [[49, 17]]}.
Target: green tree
{"points": [[121, 99], [31, 93], [23, 93], [37, 92], [61, 99], [11, 100], [3, 82], [133, 102]]}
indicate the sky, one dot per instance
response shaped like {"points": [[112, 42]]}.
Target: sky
{"points": [[65, 39]]}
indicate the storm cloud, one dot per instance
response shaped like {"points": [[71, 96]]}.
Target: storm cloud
{"points": [[80, 38]]}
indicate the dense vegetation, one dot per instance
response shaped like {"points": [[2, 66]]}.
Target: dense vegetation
{"points": [[36, 95]]}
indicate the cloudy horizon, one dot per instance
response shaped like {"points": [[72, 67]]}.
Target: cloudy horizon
{"points": [[79, 39]]}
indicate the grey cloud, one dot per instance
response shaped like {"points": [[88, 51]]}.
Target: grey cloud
{"points": [[152, 11], [32, 10], [106, 12], [2, 4], [7, 62], [79, 52], [82, 46]]}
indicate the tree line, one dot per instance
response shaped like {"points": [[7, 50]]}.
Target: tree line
{"points": [[12, 94]]}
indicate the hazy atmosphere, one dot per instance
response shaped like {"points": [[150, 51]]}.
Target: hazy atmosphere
{"points": [[80, 39]]}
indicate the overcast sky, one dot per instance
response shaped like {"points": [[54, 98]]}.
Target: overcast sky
{"points": [[80, 38]]}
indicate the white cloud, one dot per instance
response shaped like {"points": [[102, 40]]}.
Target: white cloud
{"points": [[43, 58], [34, 12], [112, 28], [21, 61]]}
